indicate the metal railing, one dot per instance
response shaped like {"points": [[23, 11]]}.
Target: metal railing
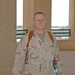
{"points": [[56, 32], [61, 32]]}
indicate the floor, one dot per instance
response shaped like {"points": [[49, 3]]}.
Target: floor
{"points": [[68, 59]]}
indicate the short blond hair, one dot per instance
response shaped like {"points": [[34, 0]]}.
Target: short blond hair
{"points": [[37, 13]]}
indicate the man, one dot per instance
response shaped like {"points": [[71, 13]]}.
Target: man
{"points": [[41, 51]]}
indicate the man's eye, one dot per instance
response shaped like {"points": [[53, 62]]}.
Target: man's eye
{"points": [[42, 19], [37, 20]]}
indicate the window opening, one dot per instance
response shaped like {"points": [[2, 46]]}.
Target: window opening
{"points": [[60, 18]]}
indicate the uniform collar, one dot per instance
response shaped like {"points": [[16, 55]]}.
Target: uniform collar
{"points": [[36, 35]]}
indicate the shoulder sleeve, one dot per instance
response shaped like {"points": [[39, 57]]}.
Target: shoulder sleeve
{"points": [[20, 56]]}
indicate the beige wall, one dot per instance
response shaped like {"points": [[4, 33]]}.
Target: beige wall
{"points": [[7, 35], [28, 14], [8, 28]]}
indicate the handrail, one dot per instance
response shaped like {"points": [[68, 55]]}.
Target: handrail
{"points": [[20, 33], [56, 32], [61, 32]]}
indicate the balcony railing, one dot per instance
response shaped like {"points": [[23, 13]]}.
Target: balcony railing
{"points": [[56, 32]]}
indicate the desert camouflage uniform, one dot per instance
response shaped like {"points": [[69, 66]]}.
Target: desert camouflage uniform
{"points": [[40, 56]]}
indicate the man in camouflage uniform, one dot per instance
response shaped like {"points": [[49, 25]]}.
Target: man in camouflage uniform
{"points": [[41, 51]]}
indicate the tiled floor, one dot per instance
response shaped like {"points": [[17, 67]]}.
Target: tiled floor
{"points": [[68, 59]]}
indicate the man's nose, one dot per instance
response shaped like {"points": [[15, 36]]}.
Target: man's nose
{"points": [[40, 21]]}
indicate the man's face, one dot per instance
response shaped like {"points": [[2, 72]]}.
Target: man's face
{"points": [[39, 22]]}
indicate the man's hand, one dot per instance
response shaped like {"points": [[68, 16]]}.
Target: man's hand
{"points": [[59, 73]]}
